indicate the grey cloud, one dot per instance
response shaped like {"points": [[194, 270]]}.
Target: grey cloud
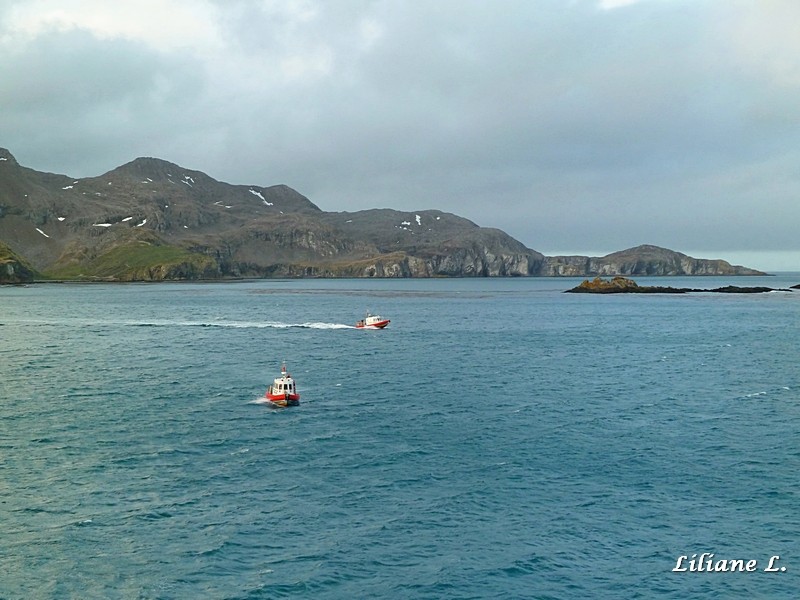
{"points": [[565, 125], [76, 103]]}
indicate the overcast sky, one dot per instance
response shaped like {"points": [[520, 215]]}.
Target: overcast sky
{"points": [[577, 126]]}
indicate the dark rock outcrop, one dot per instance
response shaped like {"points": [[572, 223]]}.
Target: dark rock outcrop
{"points": [[622, 285]]}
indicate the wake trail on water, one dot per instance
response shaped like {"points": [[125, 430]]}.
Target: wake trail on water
{"points": [[188, 323], [241, 324], [261, 400], [768, 392]]}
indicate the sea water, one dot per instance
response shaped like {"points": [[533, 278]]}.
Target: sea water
{"points": [[500, 439]]}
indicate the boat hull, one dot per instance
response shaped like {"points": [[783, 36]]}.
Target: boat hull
{"points": [[283, 400], [378, 325]]}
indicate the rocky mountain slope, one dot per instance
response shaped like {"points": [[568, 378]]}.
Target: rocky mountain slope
{"points": [[153, 220]]}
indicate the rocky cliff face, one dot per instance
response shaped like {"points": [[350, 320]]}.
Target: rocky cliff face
{"points": [[13, 269], [150, 220], [431, 243]]}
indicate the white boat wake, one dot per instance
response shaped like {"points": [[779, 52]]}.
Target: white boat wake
{"points": [[260, 400], [241, 324], [187, 323]]}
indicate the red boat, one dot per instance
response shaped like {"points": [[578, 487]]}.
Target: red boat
{"points": [[283, 391], [372, 322]]}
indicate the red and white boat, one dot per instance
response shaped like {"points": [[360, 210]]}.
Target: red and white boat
{"points": [[372, 321], [283, 391]]}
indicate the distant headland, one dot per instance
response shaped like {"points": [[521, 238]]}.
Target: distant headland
{"points": [[152, 220]]}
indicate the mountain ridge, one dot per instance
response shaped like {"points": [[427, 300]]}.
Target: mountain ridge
{"points": [[151, 219]]}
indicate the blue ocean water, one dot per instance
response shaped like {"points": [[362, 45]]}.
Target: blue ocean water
{"points": [[500, 439]]}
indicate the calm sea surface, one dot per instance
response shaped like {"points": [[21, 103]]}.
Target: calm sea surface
{"points": [[500, 439]]}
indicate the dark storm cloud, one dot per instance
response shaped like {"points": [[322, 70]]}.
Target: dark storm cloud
{"points": [[569, 126]]}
